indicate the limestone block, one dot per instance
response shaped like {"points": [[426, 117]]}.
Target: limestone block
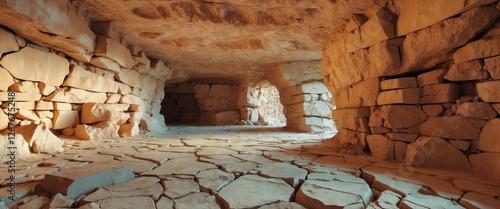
{"points": [[353, 41], [378, 28], [400, 149], [78, 96], [20, 105], [45, 89], [433, 110], [143, 63], [129, 77], [427, 47], [65, 119], [379, 130], [83, 79], [492, 65], [399, 96], [399, 83], [113, 98], [440, 93], [220, 91], [40, 138], [128, 130], [9, 43], [43, 105], [402, 116], [403, 137], [355, 21], [20, 97], [105, 63], [4, 120], [488, 138], [348, 118], [25, 86], [486, 165], [316, 108], [363, 94], [227, 117], [314, 88], [77, 181], [435, 152], [124, 89], [418, 14], [488, 91], [460, 144], [45, 114], [7, 79], [62, 106], [450, 127], [114, 50], [23, 152], [92, 113], [485, 47], [160, 71], [431, 77], [466, 71], [27, 115], [154, 124], [99, 131], [131, 99], [482, 110], [381, 147], [43, 66]]}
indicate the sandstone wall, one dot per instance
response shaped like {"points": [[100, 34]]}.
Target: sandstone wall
{"points": [[180, 104], [73, 82], [304, 96], [421, 87]]}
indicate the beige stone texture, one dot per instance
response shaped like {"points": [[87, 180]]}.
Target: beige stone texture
{"points": [[399, 83], [128, 130], [492, 65], [65, 119], [113, 98], [399, 96], [92, 113], [99, 131], [45, 89], [114, 50], [129, 77], [392, 116], [7, 79], [20, 105], [485, 165], [482, 110], [25, 87], [105, 63], [83, 79], [62, 106], [78, 96], [27, 115], [363, 94], [466, 71], [350, 118], [450, 127], [9, 42], [43, 105], [425, 48], [45, 114], [40, 138], [435, 152], [381, 147], [159, 70], [488, 91], [481, 48], [44, 66], [4, 120], [440, 93], [431, 77], [488, 138], [20, 97]]}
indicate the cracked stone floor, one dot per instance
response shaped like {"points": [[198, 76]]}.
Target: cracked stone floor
{"points": [[245, 167]]}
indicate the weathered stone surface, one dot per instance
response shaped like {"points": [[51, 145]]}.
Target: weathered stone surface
{"points": [[83, 79], [378, 28], [40, 138], [197, 201], [434, 152], [482, 110], [220, 91], [259, 191], [399, 96], [176, 188], [451, 127], [61, 201], [129, 77], [427, 201], [392, 116], [30, 97], [154, 191], [7, 79], [128, 130], [44, 66], [26, 87], [289, 173], [485, 165], [466, 71], [492, 65], [363, 94], [65, 119], [92, 113], [351, 118], [403, 137], [283, 205], [387, 199], [127, 202], [9, 42], [439, 93], [481, 48], [488, 138], [62, 106], [43, 105], [431, 77], [473, 186], [475, 200], [165, 203], [213, 180], [433, 110], [80, 180], [460, 144], [102, 130], [76, 96], [425, 48], [181, 166], [333, 194], [159, 70], [381, 146], [399, 83], [487, 91], [27, 115], [114, 50], [45, 89], [105, 63]]}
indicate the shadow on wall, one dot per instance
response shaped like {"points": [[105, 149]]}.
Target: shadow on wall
{"points": [[263, 106]]}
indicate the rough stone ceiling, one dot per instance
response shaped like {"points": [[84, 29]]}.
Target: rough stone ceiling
{"points": [[226, 38]]}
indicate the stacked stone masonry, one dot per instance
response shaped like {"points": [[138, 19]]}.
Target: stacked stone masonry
{"points": [[421, 90]]}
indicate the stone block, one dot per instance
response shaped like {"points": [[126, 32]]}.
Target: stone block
{"points": [[4, 120], [27, 115], [435, 152], [403, 137], [92, 113], [399, 83], [316, 108], [102, 130], [314, 88], [402, 116], [44, 66], [488, 138], [460, 144], [400, 151], [220, 91], [227, 117], [20, 97], [114, 50], [45, 114], [43, 105], [129, 77], [77, 181], [105, 63], [431, 77], [128, 130], [433, 110], [113, 98], [381, 147], [363, 94], [348, 118], [20, 105], [466, 71], [131, 99], [9, 43], [83, 79], [25, 87], [482, 110], [160, 71], [399, 96], [378, 28], [482, 48], [450, 127], [201, 89], [7, 79], [355, 21], [45, 89], [488, 91], [440, 93], [78, 96], [425, 48], [492, 65], [486, 165], [65, 119]]}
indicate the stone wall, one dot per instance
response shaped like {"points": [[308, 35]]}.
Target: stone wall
{"points": [[73, 82], [304, 96], [180, 104], [420, 87]]}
